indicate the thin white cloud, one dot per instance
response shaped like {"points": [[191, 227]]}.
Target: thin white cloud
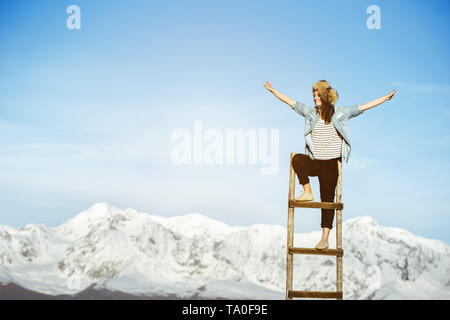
{"points": [[16, 127], [437, 141], [442, 89], [94, 151], [360, 163]]}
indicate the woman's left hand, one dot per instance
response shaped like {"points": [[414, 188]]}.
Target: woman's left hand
{"points": [[390, 95]]}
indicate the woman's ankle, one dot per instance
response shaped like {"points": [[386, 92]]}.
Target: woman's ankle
{"points": [[307, 188]]}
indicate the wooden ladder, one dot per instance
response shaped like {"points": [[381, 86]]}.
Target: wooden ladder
{"points": [[291, 250]]}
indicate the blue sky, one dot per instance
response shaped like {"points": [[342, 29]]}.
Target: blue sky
{"points": [[86, 115]]}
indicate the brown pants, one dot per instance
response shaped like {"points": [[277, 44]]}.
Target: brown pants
{"points": [[327, 171]]}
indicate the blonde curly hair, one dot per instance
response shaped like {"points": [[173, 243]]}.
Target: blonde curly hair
{"points": [[328, 97], [326, 91]]}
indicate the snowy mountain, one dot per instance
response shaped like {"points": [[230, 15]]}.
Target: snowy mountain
{"points": [[106, 251]]}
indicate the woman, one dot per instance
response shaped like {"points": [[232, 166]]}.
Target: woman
{"points": [[327, 140]]}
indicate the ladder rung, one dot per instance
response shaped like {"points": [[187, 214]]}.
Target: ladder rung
{"points": [[327, 252], [320, 205], [315, 294]]}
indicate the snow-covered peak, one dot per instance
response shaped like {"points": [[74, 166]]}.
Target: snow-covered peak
{"points": [[365, 229], [362, 220], [194, 255], [195, 225], [98, 216]]}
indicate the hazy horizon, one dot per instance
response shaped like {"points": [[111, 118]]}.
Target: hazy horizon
{"points": [[87, 115]]}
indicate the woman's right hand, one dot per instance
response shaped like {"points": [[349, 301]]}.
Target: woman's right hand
{"points": [[279, 95], [390, 95], [269, 86]]}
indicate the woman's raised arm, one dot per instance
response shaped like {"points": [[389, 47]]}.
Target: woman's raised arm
{"points": [[279, 95], [378, 101]]}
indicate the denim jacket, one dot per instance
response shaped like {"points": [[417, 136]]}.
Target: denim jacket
{"points": [[339, 119]]}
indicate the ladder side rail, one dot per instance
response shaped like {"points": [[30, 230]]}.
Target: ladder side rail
{"points": [[290, 232], [339, 263]]}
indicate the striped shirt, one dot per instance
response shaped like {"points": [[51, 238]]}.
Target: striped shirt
{"points": [[327, 142]]}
